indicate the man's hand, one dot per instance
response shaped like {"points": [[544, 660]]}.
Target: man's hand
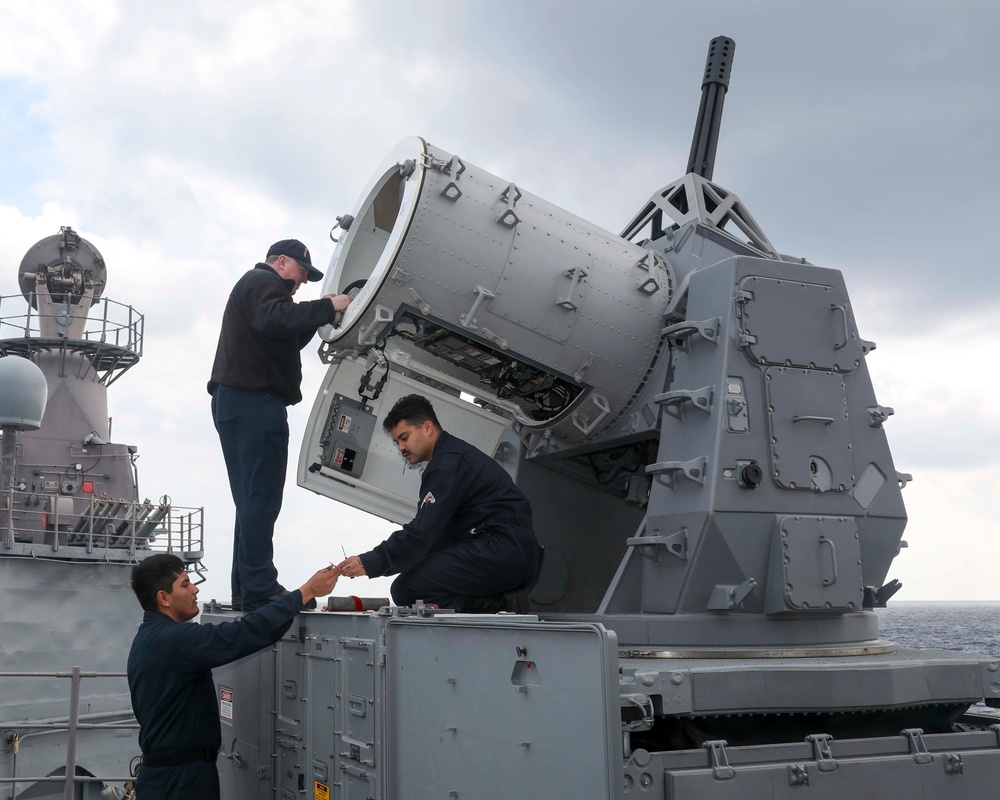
{"points": [[320, 584], [352, 567], [340, 301]]}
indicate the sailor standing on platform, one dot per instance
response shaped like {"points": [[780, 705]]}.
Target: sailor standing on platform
{"points": [[258, 373]]}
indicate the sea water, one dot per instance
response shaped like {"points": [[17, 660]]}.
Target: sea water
{"points": [[970, 627], [967, 627]]}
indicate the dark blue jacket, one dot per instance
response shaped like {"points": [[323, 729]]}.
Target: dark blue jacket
{"points": [[263, 330], [462, 492], [170, 673]]}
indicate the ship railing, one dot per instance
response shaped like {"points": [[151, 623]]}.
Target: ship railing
{"points": [[73, 725], [46, 521], [110, 340], [118, 324]]}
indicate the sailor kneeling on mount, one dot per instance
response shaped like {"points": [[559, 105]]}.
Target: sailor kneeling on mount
{"points": [[471, 540]]}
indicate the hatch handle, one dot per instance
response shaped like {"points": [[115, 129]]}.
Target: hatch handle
{"points": [[811, 418], [833, 560], [843, 320], [357, 706]]}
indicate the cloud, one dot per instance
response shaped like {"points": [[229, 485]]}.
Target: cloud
{"points": [[183, 138], [49, 39]]}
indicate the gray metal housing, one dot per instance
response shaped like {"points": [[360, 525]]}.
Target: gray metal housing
{"points": [[708, 471], [393, 705]]}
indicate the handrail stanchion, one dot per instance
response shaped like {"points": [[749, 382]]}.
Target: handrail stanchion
{"points": [[55, 525], [9, 523], [69, 789]]}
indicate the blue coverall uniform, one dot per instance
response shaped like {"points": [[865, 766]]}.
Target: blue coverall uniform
{"points": [[173, 696], [256, 374], [471, 537]]}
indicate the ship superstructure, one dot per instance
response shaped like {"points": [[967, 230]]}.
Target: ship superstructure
{"points": [[72, 524]]}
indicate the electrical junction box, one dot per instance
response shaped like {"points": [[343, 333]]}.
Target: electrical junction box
{"points": [[347, 436]]}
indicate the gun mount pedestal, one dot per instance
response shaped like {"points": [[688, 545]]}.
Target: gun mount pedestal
{"points": [[691, 416]]}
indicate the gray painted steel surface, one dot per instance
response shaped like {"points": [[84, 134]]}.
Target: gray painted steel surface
{"points": [[691, 415], [71, 521], [381, 705]]}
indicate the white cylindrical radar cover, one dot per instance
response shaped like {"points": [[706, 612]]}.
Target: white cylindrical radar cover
{"points": [[23, 394], [476, 283]]}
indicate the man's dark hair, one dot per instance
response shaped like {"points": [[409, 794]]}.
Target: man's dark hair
{"points": [[154, 574], [414, 409]]}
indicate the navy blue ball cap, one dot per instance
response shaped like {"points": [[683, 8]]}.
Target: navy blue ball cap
{"points": [[293, 248]]}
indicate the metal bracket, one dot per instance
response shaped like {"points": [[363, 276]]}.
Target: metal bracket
{"points": [[383, 316], [468, 320], [425, 308], [798, 775], [741, 298], [587, 428], [915, 737], [878, 597], [510, 196], [666, 472], [451, 191], [644, 703], [707, 329], [344, 222], [725, 597], [953, 764], [535, 443], [822, 752], [676, 544], [578, 375], [452, 166], [576, 275], [673, 402], [878, 414], [903, 478], [651, 263], [496, 338], [718, 760]]}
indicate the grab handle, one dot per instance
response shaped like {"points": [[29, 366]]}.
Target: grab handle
{"points": [[833, 560]]}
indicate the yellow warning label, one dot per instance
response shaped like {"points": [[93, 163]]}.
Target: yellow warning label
{"points": [[322, 791]]}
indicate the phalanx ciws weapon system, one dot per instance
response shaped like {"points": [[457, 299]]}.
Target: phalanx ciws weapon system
{"points": [[691, 415]]}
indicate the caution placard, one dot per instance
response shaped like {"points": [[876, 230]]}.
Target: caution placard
{"points": [[321, 792], [226, 703]]}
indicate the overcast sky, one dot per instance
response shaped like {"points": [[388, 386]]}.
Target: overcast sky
{"points": [[183, 138]]}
